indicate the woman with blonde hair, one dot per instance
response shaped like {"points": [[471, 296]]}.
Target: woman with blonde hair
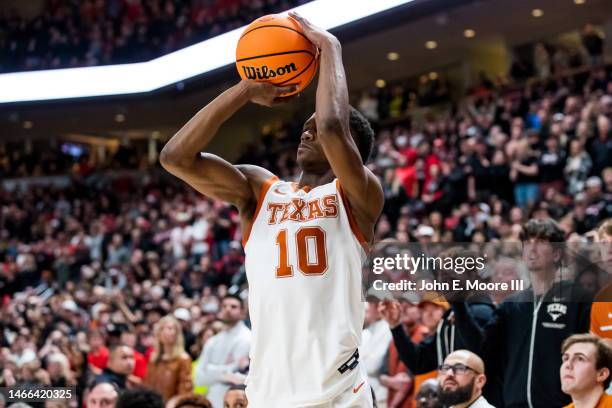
{"points": [[169, 369]]}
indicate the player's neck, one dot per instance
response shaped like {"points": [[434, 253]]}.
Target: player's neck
{"points": [[315, 179]]}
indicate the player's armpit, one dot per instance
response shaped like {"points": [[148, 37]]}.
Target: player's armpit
{"points": [[256, 176], [215, 178]]}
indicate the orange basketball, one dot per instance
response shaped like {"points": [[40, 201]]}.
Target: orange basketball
{"points": [[274, 49]]}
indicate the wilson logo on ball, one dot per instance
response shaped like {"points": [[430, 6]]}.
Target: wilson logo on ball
{"points": [[266, 72]]}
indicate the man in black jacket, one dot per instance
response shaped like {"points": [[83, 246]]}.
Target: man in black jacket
{"points": [[120, 365], [529, 327]]}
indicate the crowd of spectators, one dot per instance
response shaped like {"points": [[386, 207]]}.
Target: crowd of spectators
{"points": [[70, 33], [45, 158], [88, 270], [473, 170]]}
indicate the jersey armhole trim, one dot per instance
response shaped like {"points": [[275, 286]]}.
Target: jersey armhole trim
{"points": [[262, 195], [349, 212]]}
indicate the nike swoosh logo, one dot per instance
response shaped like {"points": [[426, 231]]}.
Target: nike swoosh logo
{"points": [[277, 191], [355, 389]]}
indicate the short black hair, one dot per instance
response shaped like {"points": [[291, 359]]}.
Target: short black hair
{"points": [[140, 398], [113, 348], [103, 380], [545, 229], [192, 401], [235, 387], [232, 296], [362, 132]]}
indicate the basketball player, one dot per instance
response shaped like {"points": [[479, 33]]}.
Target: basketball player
{"points": [[303, 241]]}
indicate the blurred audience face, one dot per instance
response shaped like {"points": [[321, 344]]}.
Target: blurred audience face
{"points": [[55, 369], [540, 255], [231, 311], [235, 399], [121, 360], [604, 244], [505, 270], [96, 341], [428, 395], [102, 395], [579, 373], [411, 314], [588, 281], [461, 378], [431, 314], [128, 339], [371, 313], [168, 333]]}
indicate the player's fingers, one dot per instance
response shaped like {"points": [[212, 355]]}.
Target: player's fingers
{"points": [[281, 90], [299, 18], [284, 99]]}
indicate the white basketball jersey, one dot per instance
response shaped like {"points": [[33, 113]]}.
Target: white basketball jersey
{"points": [[303, 264]]}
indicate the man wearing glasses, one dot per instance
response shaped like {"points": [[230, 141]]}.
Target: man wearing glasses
{"points": [[461, 378]]}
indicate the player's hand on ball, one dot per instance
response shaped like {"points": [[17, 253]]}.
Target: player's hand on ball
{"points": [[266, 94], [390, 311], [316, 35]]}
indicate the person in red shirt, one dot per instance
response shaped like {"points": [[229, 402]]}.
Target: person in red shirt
{"points": [[98, 354]]}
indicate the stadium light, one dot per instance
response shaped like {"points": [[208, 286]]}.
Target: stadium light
{"points": [[177, 66]]}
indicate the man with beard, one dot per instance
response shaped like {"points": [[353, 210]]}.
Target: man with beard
{"points": [[225, 353], [461, 379]]}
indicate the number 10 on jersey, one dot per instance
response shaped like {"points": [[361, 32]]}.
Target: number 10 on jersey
{"points": [[306, 239]]}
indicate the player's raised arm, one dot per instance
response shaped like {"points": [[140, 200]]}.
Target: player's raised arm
{"points": [[209, 174], [332, 117]]}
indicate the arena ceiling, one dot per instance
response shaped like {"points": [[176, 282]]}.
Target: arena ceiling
{"points": [[366, 44]]}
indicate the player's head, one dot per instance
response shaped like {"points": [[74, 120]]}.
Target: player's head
{"points": [[235, 397], [102, 395], [310, 154], [231, 309], [542, 244], [586, 366], [461, 377]]}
